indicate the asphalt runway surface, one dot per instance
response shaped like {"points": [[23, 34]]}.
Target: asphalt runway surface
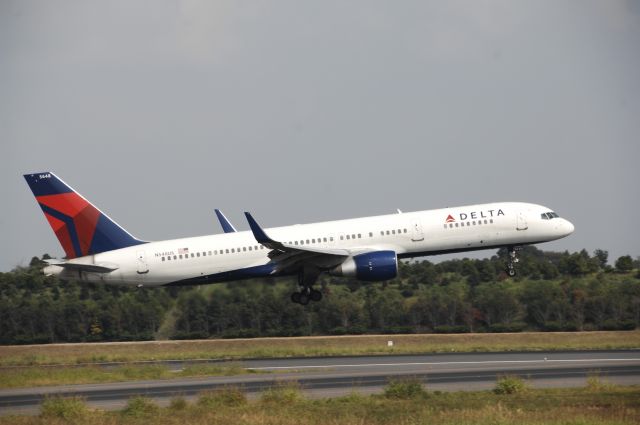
{"points": [[336, 376]]}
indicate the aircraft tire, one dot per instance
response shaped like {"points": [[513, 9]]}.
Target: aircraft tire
{"points": [[315, 295], [304, 299], [295, 297]]}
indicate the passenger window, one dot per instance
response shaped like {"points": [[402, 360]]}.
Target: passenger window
{"points": [[359, 236], [405, 230], [491, 221], [324, 239], [382, 232], [445, 225], [370, 234], [181, 256], [307, 241], [450, 225], [387, 232], [456, 224], [174, 257], [162, 258], [331, 239], [197, 254], [313, 241], [393, 232]]}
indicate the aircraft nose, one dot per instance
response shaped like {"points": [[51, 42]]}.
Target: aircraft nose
{"points": [[569, 227]]}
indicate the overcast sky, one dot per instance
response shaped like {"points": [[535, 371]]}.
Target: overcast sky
{"points": [[160, 111]]}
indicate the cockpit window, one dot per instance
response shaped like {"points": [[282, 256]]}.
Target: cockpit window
{"points": [[549, 215]]}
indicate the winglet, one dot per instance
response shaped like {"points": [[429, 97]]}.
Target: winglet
{"points": [[225, 223], [260, 235]]}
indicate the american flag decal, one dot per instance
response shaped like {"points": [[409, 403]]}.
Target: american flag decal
{"points": [[183, 250]]}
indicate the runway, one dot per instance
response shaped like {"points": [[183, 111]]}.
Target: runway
{"points": [[334, 376]]}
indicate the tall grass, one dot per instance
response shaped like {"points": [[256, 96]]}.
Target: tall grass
{"points": [[618, 405]]}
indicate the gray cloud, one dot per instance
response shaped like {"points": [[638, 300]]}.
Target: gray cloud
{"points": [[160, 111]]}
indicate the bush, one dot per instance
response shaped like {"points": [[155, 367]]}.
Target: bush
{"points": [[283, 393], [507, 327], [67, 408], [226, 396], [596, 384], [406, 388], [510, 385], [140, 407], [614, 325], [451, 329], [178, 403]]}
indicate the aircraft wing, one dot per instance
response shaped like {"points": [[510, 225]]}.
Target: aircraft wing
{"points": [[225, 223], [93, 268], [291, 257]]}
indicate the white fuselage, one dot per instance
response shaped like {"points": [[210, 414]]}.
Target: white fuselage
{"points": [[218, 258]]}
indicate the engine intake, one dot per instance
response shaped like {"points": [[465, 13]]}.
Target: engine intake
{"points": [[370, 266]]}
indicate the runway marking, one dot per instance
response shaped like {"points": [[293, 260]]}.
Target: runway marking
{"points": [[484, 362]]}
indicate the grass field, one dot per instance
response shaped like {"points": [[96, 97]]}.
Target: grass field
{"points": [[585, 406], [38, 376], [313, 346]]}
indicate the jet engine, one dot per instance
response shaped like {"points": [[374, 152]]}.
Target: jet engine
{"points": [[370, 266]]}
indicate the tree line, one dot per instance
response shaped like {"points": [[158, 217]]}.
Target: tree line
{"points": [[552, 292]]}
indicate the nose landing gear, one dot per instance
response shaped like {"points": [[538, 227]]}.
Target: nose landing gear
{"points": [[513, 260]]}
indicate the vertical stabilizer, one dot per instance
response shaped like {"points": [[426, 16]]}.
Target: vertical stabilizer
{"points": [[81, 228]]}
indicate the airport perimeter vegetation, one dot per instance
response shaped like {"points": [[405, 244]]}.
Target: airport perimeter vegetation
{"points": [[402, 402], [63, 364]]}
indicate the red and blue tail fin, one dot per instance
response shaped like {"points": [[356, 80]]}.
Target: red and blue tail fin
{"points": [[81, 228]]}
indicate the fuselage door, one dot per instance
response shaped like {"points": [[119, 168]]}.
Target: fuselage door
{"points": [[521, 222], [143, 267], [417, 234]]}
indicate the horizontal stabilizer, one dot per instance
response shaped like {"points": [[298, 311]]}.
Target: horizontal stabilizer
{"points": [[92, 268]]}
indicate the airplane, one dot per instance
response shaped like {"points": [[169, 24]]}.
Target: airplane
{"points": [[99, 250]]}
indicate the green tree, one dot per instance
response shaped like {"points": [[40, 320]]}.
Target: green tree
{"points": [[624, 264]]}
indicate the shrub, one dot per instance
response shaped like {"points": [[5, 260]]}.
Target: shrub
{"points": [[596, 384], [140, 407], [283, 393], [226, 396], [67, 408], [507, 327], [510, 385], [614, 325], [178, 403], [458, 329], [405, 388]]}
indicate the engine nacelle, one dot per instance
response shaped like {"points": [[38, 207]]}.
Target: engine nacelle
{"points": [[370, 266]]}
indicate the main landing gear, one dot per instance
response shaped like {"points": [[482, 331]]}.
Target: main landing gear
{"points": [[306, 279], [513, 260]]}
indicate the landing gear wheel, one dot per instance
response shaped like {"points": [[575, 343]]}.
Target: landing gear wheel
{"points": [[295, 297], [511, 272], [315, 295], [304, 299]]}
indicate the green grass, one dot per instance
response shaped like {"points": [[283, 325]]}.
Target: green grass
{"points": [[613, 405], [313, 346], [38, 376]]}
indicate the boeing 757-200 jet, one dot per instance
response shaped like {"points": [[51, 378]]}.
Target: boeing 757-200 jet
{"points": [[99, 250]]}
